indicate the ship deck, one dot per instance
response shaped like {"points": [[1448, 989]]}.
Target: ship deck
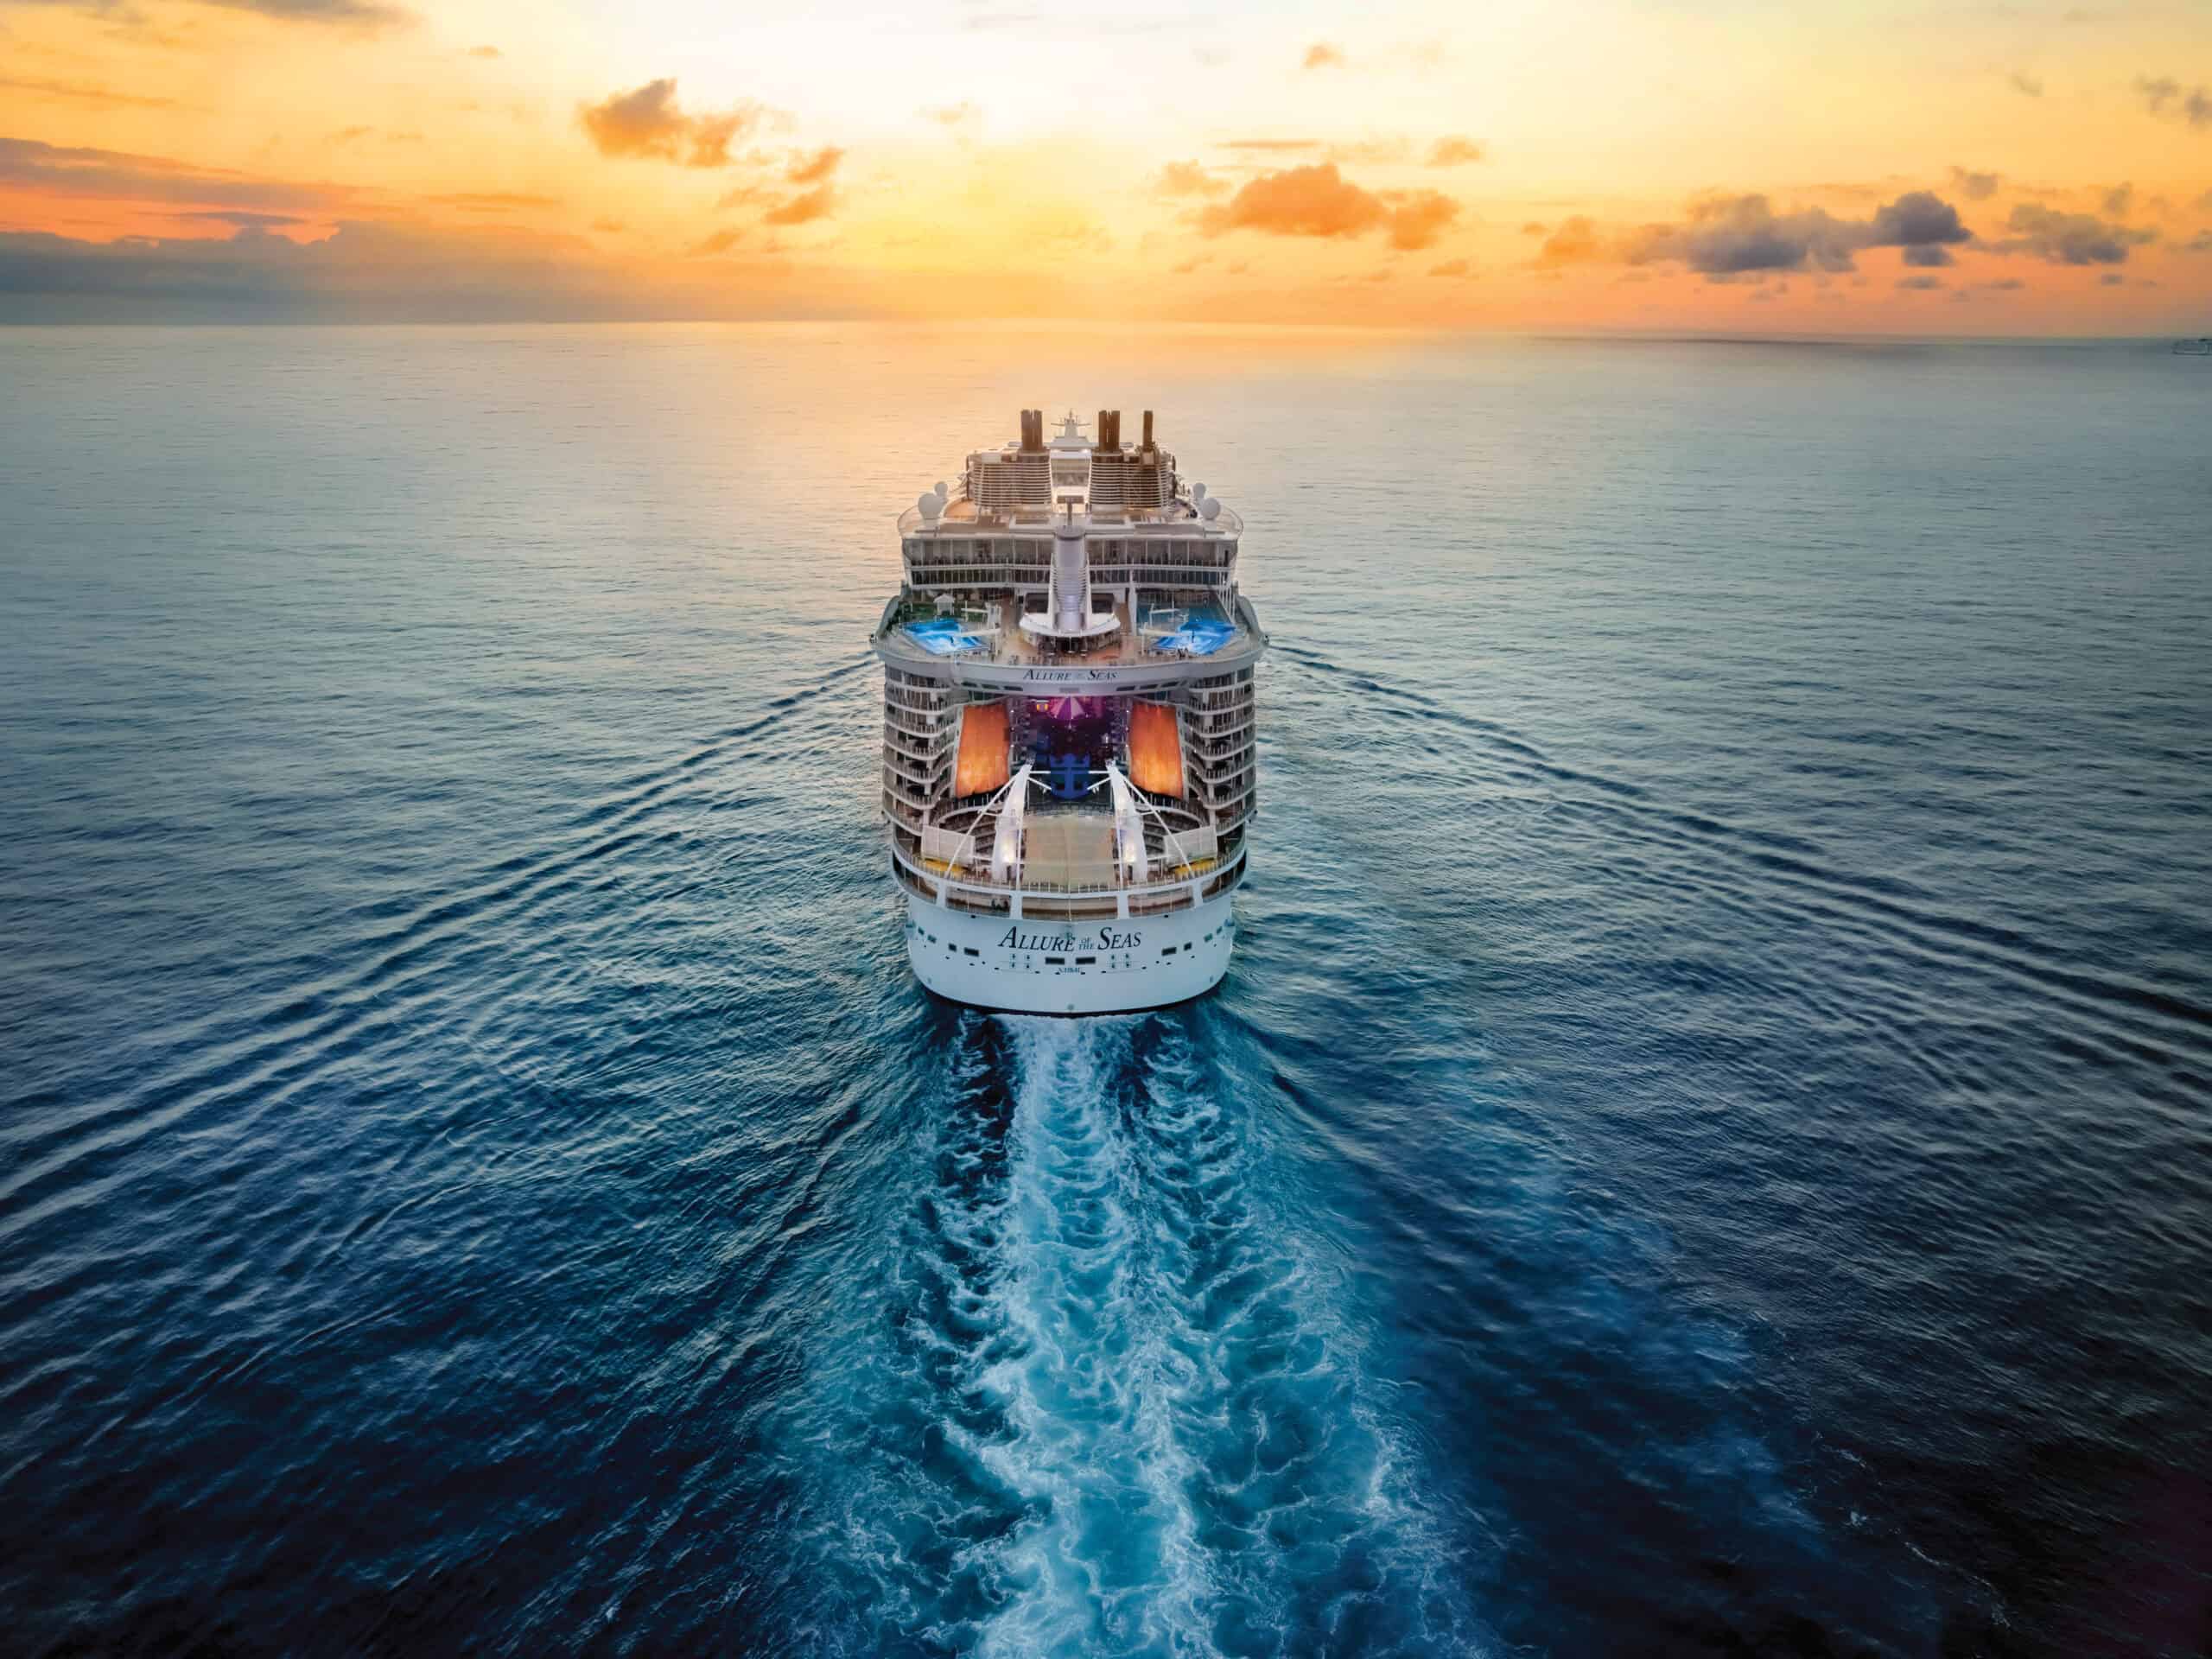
{"points": [[1208, 630], [1069, 848]]}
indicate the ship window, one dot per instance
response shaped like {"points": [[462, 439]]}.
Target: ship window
{"points": [[1055, 962], [970, 950], [1079, 961]]}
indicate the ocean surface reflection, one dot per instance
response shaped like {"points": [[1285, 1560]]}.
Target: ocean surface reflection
{"points": [[1702, 1149]]}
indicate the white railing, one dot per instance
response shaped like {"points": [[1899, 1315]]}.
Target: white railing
{"points": [[980, 883]]}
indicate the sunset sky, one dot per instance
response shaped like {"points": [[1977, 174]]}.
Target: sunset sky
{"points": [[2032, 168]]}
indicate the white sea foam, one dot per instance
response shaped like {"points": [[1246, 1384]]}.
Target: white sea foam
{"points": [[1197, 1467], [1122, 1411]]}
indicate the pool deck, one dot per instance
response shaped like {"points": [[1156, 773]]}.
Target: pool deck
{"points": [[1122, 648]]}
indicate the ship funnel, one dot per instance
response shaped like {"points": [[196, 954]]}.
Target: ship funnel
{"points": [[1147, 428], [1033, 430]]}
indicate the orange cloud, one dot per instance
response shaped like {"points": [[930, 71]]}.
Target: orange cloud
{"points": [[28, 164], [1322, 55], [815, 169], [1317, 200], [490, 202], [646, 123], [1575, 242], [804, 208], [1298, 201], [1419, 217], [1186, 179], [81, 92], [1454, 151], [1369, 152], [370, 14]]}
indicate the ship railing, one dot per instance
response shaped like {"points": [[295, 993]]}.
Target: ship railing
{"points": [[1122, 647], [1177, 520], [923, 772], [980, 881], [918, 730], [922, 752]]}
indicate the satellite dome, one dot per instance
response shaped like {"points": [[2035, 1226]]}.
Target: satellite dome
{"points": [[940, 489], [1197, 491], [1210, 509], [930, 505]]}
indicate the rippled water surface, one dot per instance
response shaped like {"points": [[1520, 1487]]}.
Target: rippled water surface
{"points": [[1704, 1147]]}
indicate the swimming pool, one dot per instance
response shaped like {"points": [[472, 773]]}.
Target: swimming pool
{"points": [[1201, 636], [943, 637]]}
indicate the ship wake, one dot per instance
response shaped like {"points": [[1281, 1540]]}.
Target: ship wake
{"points": [[1120, 1410]]}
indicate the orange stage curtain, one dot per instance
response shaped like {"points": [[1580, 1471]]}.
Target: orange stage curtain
{"points": [[1155, 749], [981, 764]]}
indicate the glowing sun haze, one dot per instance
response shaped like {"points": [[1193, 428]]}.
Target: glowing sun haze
{"points": [[1822, 167]]}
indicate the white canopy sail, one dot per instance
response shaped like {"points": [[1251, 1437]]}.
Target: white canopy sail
{"points": [[1005, 844], [1129, 828]]}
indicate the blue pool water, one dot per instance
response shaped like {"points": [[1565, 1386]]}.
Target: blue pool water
{"points": [[943, 637], [1703, 1149], [1201, 636]]}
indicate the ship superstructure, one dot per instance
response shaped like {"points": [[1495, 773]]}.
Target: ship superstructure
{"points": [[1068, 738]]}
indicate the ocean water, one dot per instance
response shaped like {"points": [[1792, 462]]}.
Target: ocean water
{"points": [[1704, 1147]]}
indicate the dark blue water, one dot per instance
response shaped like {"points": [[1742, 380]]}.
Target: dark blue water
{"points": [[1704, 1149]]}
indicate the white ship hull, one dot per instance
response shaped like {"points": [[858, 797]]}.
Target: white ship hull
{"points": [[1038, 967]]}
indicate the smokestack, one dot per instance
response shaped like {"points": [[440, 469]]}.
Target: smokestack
{"points": [[1099, 442], [1113, 429], [1033, 430], [1147, 428]]}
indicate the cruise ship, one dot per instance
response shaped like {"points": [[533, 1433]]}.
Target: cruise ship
{"points": [[1068, 759]]}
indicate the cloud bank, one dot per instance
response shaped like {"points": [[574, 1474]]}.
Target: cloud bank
{"points": [[2163, 96], [2071, 239], [381, 272], [1730, 236]]}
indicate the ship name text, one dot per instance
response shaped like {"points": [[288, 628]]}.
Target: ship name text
{"points": [[1108, 939]]}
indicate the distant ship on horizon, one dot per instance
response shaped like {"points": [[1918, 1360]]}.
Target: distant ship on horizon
{"points": [[1068, 726], [2202, 347]]}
